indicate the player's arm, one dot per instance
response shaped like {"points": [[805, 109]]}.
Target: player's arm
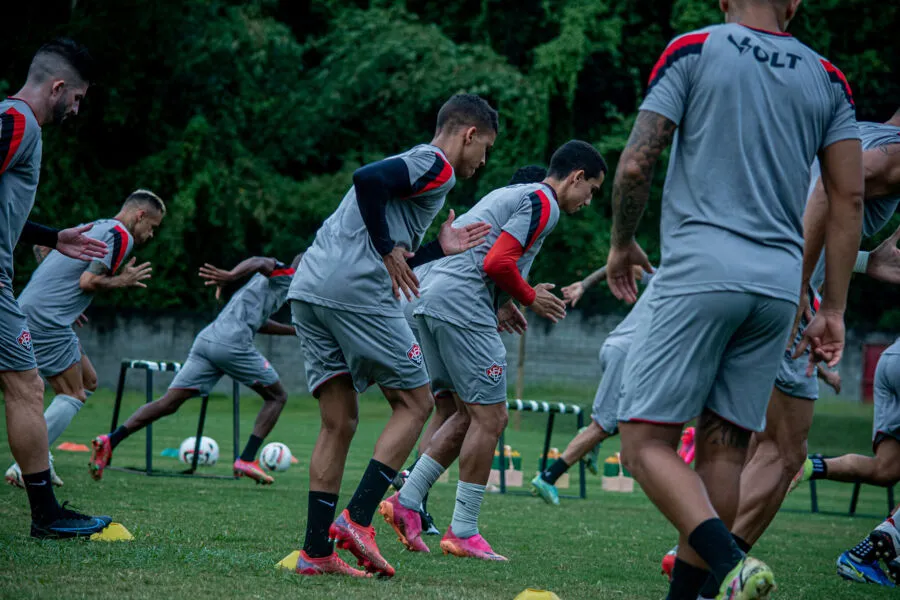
{"points": [[882, 171], [40, 252], [883, 263], [99, 277], [71, 242], [250, 266], [271, 327]]}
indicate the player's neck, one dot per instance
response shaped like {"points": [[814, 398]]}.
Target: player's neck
{"points": [[554, 184], [759, 17], [32, 97], [450, 146], [127, 219]]}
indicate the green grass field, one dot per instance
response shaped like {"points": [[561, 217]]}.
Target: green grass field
{"points": [[203, 538]]}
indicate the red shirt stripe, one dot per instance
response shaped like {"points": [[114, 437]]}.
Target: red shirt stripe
{"points": [[15, 138], [837, 76], [545, 216], [282, 272], [442, 178], [123, 247], [682, 43]]}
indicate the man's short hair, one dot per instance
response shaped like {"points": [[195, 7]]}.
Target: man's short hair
{"points": [[63, 58], [467, 110], [528, 174], [146, 198], [576, 155]]}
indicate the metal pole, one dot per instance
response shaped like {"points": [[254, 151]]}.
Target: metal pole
{"points": [[120, 390], [855, 498], [582, 483], [502, 444], [547, 441], [196, 458], [149, 427]]}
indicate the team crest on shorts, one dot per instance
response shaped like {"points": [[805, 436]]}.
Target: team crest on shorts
{"points": [[494, 372], [414, 354], [24, 339]]}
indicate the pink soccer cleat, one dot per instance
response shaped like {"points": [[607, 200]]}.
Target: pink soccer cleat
{"points": [[475, 547], [101, 453], [327, 565], [360, 541], [407, 523]]}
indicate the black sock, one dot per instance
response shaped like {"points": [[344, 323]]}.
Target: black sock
{"points": [[713, 542], [555, 471], [116, 437], [710, 589], [686, 581], [319, 517], [44, 506], [369, 493], [425, 503], [820, 469], [252, 447]]}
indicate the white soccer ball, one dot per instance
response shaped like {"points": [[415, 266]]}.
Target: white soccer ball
{"points": [[275, 457], [209, 451]]}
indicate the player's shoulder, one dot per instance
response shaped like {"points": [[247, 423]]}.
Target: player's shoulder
{"points": [[18, 111], [430, 170], [18, 125]]}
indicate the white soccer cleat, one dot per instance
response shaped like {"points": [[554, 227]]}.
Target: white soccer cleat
{"points": [[14, 476], [54, 478]]}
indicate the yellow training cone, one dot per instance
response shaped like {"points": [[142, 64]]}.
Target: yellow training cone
{"points": [[114, 532], [531, 594], [289, 561]]}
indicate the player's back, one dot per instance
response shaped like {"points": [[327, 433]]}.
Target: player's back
{"points": [[753, 109], [250, 307], [20, 167], [456, 288], [53, 297]]}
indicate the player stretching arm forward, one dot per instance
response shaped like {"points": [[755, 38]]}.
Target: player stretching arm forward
{"points": [[225, 347]]}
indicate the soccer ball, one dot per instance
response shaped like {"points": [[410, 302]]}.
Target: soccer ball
{"points": [[275, 457], [209, 451], [531, 594]]}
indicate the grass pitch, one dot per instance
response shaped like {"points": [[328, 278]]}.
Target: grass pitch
{"points": [[203, 538]]}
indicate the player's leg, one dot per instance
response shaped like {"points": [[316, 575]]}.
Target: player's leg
{"points": [[603, 424], [778, 453], [329, 380], [88, 375], [882, 469]]}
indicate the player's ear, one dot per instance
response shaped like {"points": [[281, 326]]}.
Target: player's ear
{"points": [[470, 134], [723, 6], [792, 7], [57, 87], [576, 176]]}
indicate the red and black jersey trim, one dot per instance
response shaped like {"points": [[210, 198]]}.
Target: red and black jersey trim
{"points": [[540, 214], [836, 76], [683, 46], [12, 130], [120, 246], [437, 175], [285, 272]]}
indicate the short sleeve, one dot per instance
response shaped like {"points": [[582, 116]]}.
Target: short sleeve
{"points": [[670, 79], [428, 171], [843, 124], [529, 221], [18, 138], [119, 243]]}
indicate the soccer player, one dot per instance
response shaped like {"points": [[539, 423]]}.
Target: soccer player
{"points": [[603, 423], [225, 347], [860, 563], [346, 308], [62, 288], [727, 291], [779, 451], [458, 324], [444, 404], [58, 79]]}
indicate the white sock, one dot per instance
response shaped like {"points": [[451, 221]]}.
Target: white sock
{"points": [[59, 414], [420, 480], [468, 506]]}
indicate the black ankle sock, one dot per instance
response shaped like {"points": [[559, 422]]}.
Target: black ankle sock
{"points": [[820, 469], [375, 482], [425, 503], [252, 447], [319, 517], [116, 437], [44, 506], [686, 581], [713, 542], [710, 589], [555, 471]]}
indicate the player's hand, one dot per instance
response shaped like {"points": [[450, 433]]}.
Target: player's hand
{"points": [[133, 275], [832, 378], [510, 319], [573, 292], [73, 243], [455, 240], [803, 310], [884, 261], [402, 276], [546, 304], [215, 276], [81, 320], [824, 337], [619, 271]]}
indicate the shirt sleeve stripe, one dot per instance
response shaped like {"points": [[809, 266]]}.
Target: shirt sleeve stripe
{"points": [[683, 46], [282, 272], [120, 246], [540, 214], [436, 176], [836, 76], [12, 130]]}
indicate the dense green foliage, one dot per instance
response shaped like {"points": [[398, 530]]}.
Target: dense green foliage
{"points": [[249, 117]]}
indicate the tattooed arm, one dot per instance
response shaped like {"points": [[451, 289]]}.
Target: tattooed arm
{"points": [[651, 134], [882, 170]]}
